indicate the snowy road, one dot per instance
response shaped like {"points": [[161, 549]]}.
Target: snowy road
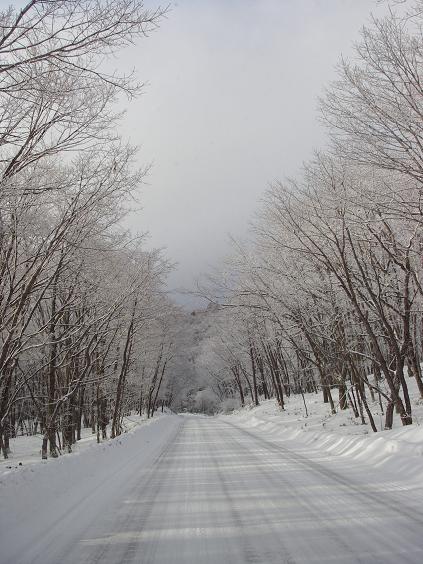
{"points": [[216, 493]]}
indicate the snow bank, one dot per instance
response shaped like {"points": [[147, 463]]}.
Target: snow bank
{"points": [[398, 451], [26, 450], [75, 481]]}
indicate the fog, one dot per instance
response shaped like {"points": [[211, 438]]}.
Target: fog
{"points": [[230, 104]]}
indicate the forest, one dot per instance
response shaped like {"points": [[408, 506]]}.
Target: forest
{"points": [[85, 325], [272, 412], [324, 296]]}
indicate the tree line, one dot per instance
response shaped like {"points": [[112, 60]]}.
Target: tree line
{"points": [[327, 292], [85, 329]]}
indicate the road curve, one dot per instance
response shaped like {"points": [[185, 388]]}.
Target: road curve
{"points": [[219, 494]]}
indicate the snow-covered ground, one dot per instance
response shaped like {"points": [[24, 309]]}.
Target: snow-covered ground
{"points": [[258, 486], [74, 489], [191, 489], [26, 450], [399, 450], [340, 434]]}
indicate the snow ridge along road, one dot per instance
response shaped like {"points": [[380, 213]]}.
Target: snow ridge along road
{"points": [[203, 490]]}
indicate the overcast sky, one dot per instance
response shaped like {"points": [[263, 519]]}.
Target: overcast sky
{"points": [[230, 105]]}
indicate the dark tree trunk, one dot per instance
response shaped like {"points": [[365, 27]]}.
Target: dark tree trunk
{"points": [[253, 370]]}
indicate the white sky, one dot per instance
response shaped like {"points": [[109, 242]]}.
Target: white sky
{"points": [[230, 105]]}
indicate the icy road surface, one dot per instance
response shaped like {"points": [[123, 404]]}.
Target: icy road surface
{"points": [[216, 493]]}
